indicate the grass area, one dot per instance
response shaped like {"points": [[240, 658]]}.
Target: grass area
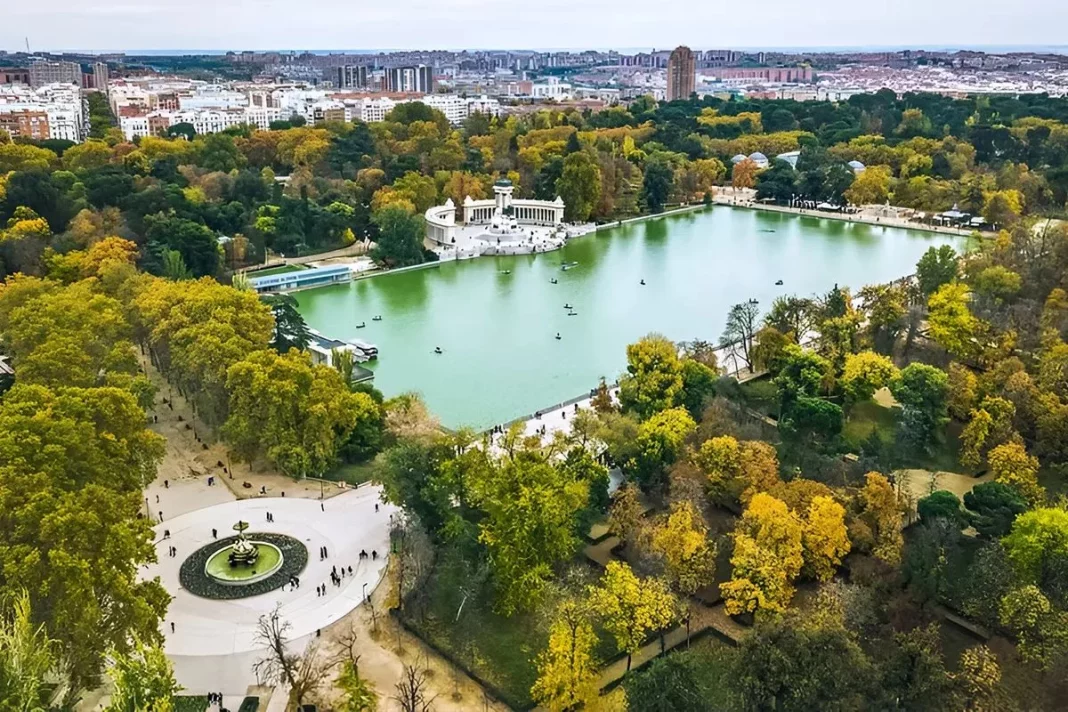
{"points": [[456, 616], [352, 474], [866, 417], [863, 418], [281, 269], [761, 395]]}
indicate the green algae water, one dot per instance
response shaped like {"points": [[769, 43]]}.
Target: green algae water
{"points": [[496, 318]]}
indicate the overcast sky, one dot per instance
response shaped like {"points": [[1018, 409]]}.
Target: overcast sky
{"points": [[514, 24]]}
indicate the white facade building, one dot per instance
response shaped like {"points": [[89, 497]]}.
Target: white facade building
{"points": [[61, 103], [500, 226]]}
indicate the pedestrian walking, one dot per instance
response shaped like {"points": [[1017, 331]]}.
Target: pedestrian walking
{"points": [[214, 533], [172, 626], [376, 507], [166, 484], [157, 499], [322, 508]]}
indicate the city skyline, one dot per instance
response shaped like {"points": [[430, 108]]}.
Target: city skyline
{"points": [[170, 25]]}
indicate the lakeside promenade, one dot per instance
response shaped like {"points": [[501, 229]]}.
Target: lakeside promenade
{"points": [[746, 198]]}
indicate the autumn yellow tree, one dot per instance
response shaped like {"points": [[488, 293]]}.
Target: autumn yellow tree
{"points": [[963, 390], [877, 528], [870, 187], [625, 517], [952, 323], [825, 538], [743, 175], [567, 668], [737, 470], [632, 607], [681, 540], [1011, 465], [978, 678], [864, 373], [768, 556]]}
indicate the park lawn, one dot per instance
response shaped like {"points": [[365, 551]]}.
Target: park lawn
{"points": [[866, 417], [499, 650], [281, 269], [761, 395], [351, 473]]}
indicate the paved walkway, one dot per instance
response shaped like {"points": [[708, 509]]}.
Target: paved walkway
{"points": [[213, 645]]}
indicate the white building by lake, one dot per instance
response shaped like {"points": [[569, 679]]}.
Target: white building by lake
{"points": [[502, 225]]}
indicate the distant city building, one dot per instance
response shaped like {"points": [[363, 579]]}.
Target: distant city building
{"points": [[14, 75], [352, 77], [25, 123], [681, 74], [410, 80], [44, 72], [100, 76], [774, 75], [52, 111]]}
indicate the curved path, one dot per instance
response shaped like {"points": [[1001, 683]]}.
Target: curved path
{"points": [[213, 645]]}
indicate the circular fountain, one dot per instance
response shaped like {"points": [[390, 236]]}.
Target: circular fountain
{"points": [[242, 566], [243, 562]]}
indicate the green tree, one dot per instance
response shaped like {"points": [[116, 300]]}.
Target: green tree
{"points": [[400, 237], [657, 182], [789, 665], [143, 680], [993, 507], [290, 330], [937, 267], [941, 504], [685, 681], [1037, 546], [579, 185], [531, 514], [293, 412], [914, 675], [195, 242], [922, 391], [660, 442], [358, 694], [28, 658], [654, 376], [698, 385]]}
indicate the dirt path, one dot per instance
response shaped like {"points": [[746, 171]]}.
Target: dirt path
{"points": [[384, 647]]}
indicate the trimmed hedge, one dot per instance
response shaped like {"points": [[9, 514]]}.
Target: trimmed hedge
{"points": [[193, 579], [191, 703]]}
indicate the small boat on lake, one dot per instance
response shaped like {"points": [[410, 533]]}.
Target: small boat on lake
{"points": [[568, 265], [558, 336], [361, 325], [377, 318], [437, 350], [568, 306], [779, 283]]}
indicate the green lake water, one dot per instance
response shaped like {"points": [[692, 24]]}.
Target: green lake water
{"points": [[501, 359]]}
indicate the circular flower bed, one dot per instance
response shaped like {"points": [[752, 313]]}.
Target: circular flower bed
{"points": [[193, 579]]}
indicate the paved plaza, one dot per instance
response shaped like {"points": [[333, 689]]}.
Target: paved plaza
{"points": [[213, 645]]}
